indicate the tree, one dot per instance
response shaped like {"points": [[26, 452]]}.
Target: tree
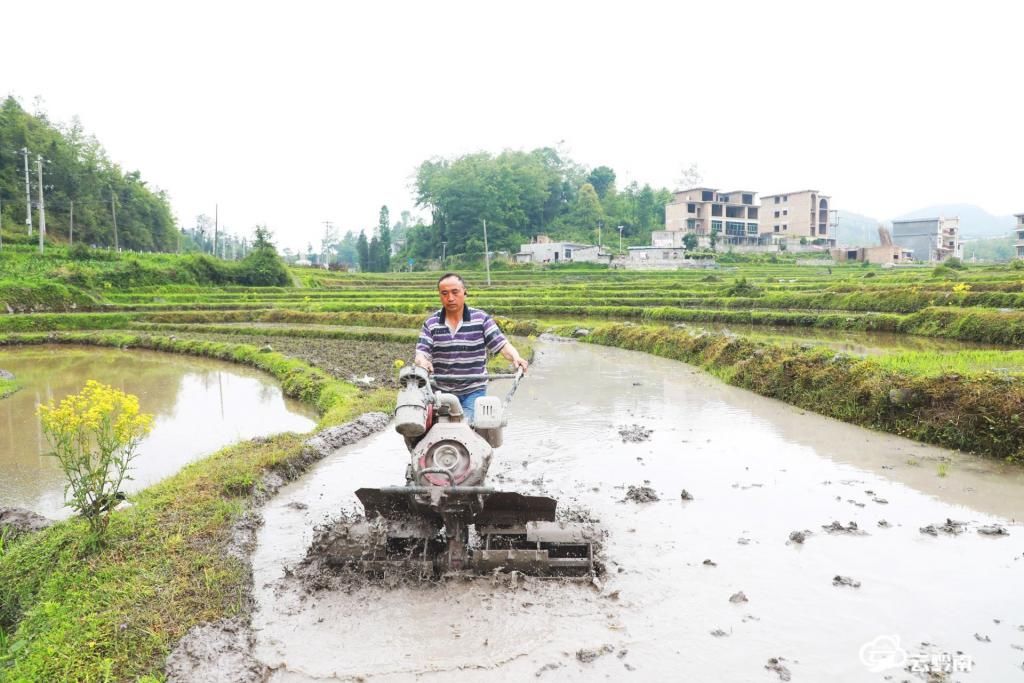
{"points": [[602, 179], [690, 241], [384, 233], [262, 238], [363, 249], [587, 213], [375, 258]]}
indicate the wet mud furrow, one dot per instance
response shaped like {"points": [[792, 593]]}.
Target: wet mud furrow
{"points": [[747, 540]]}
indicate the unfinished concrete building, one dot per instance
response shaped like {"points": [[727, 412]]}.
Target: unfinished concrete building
{"points": [[733, 216], [793, 215], [1020, 234], [930, 239]]}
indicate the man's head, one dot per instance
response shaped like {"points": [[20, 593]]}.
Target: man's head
{"points": [[452, 290]]}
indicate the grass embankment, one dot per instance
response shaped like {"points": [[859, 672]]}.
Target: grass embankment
{"points": [[980, 413], [8, 387], [67, 614]]}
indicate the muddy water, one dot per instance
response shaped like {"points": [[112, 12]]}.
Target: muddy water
{"points": [[757, 470], [200, 405]]}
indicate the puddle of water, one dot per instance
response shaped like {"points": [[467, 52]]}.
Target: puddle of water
{"points": [[200, 405], [758, 469]]}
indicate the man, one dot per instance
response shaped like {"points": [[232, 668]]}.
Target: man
{"points": [[456, 340]]}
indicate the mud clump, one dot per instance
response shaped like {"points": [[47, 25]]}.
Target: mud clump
{"points": [[547, 667], [993, 530], [837, 528], [641, 494], [951, 527], [219, 651], [587, 656], [4, 374], [737, 598], [776, 664], [798, 537], [17, 521], [634, 433], [685, 495], [839, 580]]}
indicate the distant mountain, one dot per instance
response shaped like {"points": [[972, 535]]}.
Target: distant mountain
{"points": [[975, 222], [857, 229]]}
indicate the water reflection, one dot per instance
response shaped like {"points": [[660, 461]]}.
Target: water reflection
{"points": [[199, 404]]}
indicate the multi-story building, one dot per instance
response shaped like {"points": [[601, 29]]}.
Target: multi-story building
{"points": [[733, 216], [1020, 235], [931, 239], [798, 214]]}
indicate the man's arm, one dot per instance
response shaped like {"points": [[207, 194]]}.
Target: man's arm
{"points": [[510, 353], [425, 348]]}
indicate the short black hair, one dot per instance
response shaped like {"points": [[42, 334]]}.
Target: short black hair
{"points": [[454, 275]]}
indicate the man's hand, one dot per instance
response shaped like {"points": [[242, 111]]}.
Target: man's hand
{"points": [[521, 363], [423, 362]]}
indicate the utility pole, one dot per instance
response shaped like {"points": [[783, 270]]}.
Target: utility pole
{"points": [[620, 238], [327, 247], [113, 209], [28, 194], [1, 225], [42, 202], [487, 255], [444, 247], [599, 236], [216, 225], [71, 224]]}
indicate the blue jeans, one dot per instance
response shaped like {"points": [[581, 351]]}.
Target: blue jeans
{"points": [[468, 401]]}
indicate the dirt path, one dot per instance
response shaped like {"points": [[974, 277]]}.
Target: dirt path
{"points": [[736, 581]]}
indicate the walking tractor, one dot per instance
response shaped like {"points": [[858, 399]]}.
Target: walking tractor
{"points": [[445, 520]]}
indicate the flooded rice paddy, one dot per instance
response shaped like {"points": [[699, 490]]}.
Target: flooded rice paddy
{"points": [[199, 404], [806, 549]]}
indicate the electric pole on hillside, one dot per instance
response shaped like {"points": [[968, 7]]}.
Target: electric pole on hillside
{"points": [[28, 194], [216, 226], [113, 210], [71, 225], [1, 225], [487, 255], [42, 201]]}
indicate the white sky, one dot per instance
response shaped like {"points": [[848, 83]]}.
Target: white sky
{"points": [[294, 113]]}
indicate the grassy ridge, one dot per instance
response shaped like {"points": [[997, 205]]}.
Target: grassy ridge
{"points": [[8, 387]]}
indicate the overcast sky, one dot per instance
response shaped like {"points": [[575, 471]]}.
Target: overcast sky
{"points": [[294, 113]]}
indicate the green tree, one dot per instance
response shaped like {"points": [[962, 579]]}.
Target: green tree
{"points": [[602, 179], [363, 250], [588, 212], [690, 241], [384, 233]]}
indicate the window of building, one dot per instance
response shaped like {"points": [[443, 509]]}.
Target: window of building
{"points": [[752, 212], [785, 226], [691, 208], [785, 212], [785, 197], [707, 196], [776, 214], [723, 198], [751, 228], [568, 253], [734, 228], [776, 228], [716, 209], [716, 226], [748, 199], [777, 199], [734, 212]]}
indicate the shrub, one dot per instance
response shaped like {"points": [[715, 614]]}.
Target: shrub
{"points": [[95, 435]]}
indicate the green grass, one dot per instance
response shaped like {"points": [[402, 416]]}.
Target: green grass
{"points": [[966, 362], [8, 387]]}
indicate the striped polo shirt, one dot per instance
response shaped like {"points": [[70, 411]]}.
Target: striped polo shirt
{"points": [[462, 353]]}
